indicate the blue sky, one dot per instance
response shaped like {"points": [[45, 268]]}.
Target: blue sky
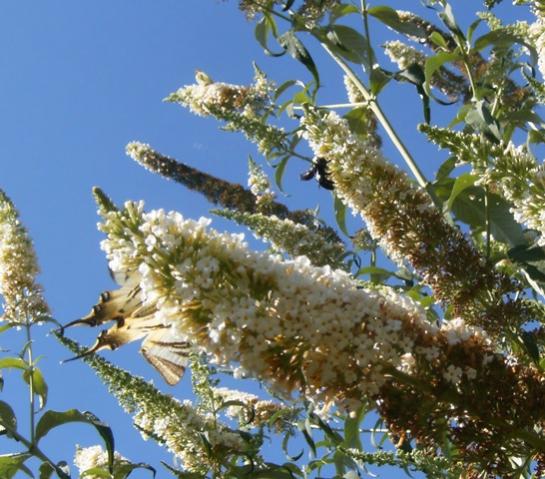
{"points": [[80, 80]]}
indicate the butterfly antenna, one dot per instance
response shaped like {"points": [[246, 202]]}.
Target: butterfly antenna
{"points": [[89, 320], [92, 350], [86, 353]]}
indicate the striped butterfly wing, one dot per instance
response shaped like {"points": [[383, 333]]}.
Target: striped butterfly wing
{"points": [[162, 347], [167, 353]]}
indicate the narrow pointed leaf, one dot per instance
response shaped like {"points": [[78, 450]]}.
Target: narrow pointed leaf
{"points": [[39, 385], [15, 363], [46, 470], [461, 183], [434, 63], [340, 214], [389, 17], [297, 50]]}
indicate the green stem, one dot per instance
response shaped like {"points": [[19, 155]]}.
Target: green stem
{"points": [[471, 80], [32, 406], [337, 105], [375, 107], [487, 221], [367, 33], [32, 448]]}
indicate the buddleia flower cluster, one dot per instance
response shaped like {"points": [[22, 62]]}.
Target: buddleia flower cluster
{"points": [[537, 34], [408, 227], [250, 411], [507, 169], [243, 108], [200, 441], [311, 11], [295, 239], [95, 457], [367, 118], [22, 295], [314, 331], [253, 305], [259, 185], [224, 193], [425, 461], [444, 80], [522, 181], [352, 92]]}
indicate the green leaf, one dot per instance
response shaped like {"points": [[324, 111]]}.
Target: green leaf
{"points": [[389, 17], [302, 98], [46, 470], [530, 345], [531, 259], [7, 417], [16, 363], [415, 75], [53, 419], [121, 471], [480, 118], [10, 464], [341, 10], [526, 253], [349, 44], [378, 80], [536, 136], [461, 183], [472, 28], [352, 439], [504, 39], [287, 84], [469, 208], [434, 63], [439, 40], [306, 429], [333, 437], [446, 168], [340, 214], [379, 274], [273, 474], [270, 471], [38, 383], [288, 5], [182, 474], [447, 15], [279, 170], [358, 120], [263, 28], [6, 326], [96, 472], [297, 50]]}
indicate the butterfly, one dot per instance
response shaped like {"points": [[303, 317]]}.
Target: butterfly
{"points": [[162, 347]]}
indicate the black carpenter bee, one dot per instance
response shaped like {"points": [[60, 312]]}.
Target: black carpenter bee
{"points": [[318, 170]]}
